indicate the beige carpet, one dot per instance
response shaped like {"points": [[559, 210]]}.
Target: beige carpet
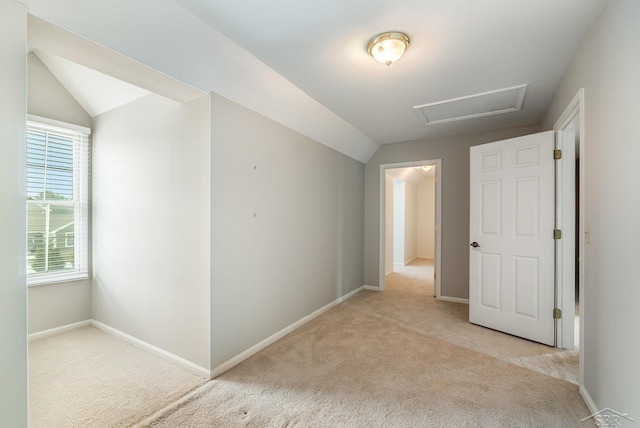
{"points": [[89, 378], [393, 359]]}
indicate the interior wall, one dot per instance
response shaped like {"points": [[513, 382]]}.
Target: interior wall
{"points": [[13, 295], [426, 197], [607, 66], [151, 199], [410, 222], [59, 304], [454, 152], [388, 218], [399, 222], [287, 228]]}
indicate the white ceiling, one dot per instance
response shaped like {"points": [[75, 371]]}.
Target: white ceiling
{"points": [[458, 48], [96, 92], [305, 64], [414, 175], [98, 78]]}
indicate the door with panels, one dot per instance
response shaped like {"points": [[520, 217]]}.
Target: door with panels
{"points": [[512, 214]]}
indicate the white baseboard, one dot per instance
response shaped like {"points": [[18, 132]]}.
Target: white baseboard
{"points": [[587, 400], [57, 330], [409, 261], [405, 263], [232, 362], [454, 299], [192, 367]]}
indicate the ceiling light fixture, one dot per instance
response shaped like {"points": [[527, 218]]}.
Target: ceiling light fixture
{"points": [[425, 168], [387, 48]]}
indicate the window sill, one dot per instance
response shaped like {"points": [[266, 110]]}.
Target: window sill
{"points": [[46, 280]]}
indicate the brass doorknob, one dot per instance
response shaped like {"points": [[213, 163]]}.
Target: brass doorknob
{"points": [[474, 244]]}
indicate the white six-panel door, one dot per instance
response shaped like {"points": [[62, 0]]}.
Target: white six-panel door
{"points": [[511, 283]]}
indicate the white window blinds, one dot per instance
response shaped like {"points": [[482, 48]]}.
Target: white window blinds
{"points": [[57, 202]]}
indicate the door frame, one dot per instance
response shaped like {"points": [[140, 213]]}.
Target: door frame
{"points": [[438, 219], [575, 108]]}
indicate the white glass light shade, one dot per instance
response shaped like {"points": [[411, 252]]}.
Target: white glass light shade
{"points": [[387, 48]]}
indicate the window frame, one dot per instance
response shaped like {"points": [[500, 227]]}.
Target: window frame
{"points": [[79, 202]]}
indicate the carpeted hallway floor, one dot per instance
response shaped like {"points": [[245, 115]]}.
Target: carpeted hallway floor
{"points": [[393, 359]]}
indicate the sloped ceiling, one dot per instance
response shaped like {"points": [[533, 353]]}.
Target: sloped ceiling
{"points": [[458, 48], [96, 92], [414, 175], [305, 64]]}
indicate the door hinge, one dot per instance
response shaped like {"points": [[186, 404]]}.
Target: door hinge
{"points": [[557, 234], [557, 313], [557, 154], [435, 275]]}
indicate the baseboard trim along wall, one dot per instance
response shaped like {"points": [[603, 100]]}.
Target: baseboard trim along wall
{"points": [[188, 365], [53, 331], [454, 299], [217, 371], [192, 367], [588, 400]]}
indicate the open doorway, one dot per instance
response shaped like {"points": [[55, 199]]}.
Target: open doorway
{"points": [[410, 215]]}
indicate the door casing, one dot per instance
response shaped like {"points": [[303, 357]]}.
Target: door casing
{"points": [[573, 110], [382, 224]]}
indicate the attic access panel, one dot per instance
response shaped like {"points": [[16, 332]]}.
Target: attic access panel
{"points": [[473, 106]]}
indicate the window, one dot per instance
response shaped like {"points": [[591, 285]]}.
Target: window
{"points": [[57, 211]]}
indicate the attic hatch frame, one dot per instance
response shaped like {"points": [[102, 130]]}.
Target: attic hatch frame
{"points": [[500, 101]]}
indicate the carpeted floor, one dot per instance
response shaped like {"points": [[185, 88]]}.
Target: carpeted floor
{"points": [[89, 378], [393, 359]]}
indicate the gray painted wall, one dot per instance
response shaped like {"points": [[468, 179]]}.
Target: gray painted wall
{"points": [[454, 152], [303, 247], [151, 223], [388, 228], [55, 305], [607, 67], [399, 220], [13, 295], [410, 222], [426, 218]]}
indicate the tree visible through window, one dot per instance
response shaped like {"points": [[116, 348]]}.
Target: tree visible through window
{"points": [[57, 166]]}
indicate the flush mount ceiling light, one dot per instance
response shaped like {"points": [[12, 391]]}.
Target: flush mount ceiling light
{"points": [[425, 168], [387, 48]]}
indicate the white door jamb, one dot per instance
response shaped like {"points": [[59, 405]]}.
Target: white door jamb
{"points": [[438, 203]]}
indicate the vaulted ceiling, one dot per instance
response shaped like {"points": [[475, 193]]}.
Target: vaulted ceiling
{"points": [[458, 48], [305, 63]]}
